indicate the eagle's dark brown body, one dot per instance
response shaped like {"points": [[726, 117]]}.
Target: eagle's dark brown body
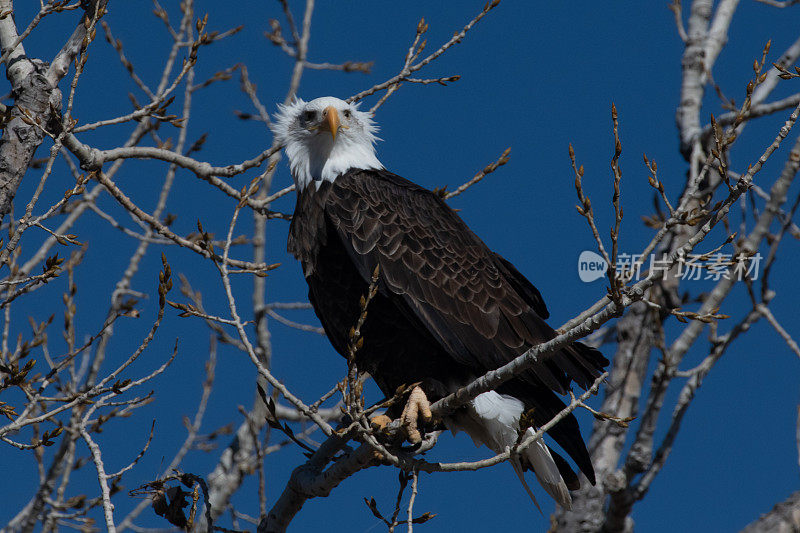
{"points": [[448, 309]]}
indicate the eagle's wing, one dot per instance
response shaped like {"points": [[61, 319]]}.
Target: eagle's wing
{"points": [[474, 302], [481, 309]]}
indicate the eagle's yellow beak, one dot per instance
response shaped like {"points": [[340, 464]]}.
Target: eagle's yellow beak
{"points": [[330, 122]]}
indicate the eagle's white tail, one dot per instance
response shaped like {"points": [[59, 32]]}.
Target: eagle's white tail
{"points": [[492, 419]]}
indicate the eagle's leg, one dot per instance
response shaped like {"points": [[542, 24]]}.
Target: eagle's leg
{"points": [[417, 407]]}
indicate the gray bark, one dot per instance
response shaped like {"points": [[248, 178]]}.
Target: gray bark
{"points": [[36, 97], [783, 518], [41, 102]]}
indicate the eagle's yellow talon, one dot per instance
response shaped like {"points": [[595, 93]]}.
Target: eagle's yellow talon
{"points": [[418, 407]]}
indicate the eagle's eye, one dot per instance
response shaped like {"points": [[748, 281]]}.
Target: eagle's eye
{"points": [[346, 113], [309, 115]]}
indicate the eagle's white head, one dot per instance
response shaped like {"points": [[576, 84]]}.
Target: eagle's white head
{"points": [[324, 138]]}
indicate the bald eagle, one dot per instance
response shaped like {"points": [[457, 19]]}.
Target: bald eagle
{"points": [[448, 309]]}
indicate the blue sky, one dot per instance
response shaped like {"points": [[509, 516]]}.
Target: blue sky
{"points": [[535, 77]]}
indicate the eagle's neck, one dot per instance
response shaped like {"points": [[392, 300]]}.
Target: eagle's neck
{"points": [[323, 160]]}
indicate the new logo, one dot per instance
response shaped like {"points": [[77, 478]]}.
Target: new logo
{"points": [[591, 266]]}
